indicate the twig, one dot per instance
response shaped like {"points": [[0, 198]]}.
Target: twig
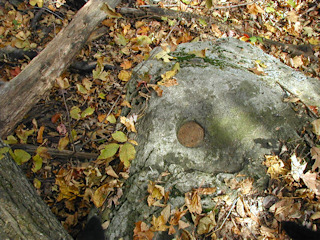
{"points": [[177, 23], [225, 219], [235, 6], [69, 122]]}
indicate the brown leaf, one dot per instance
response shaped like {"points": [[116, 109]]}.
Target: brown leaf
{"points": [[193, 202], [315, 153], [310, 179], [142, 231]]}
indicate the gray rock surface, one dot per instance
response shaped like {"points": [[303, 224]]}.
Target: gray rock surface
{"points": [[242, 114]]}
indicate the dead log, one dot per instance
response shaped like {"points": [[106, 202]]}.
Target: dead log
{"points": [[23, 214], [19, 95]]}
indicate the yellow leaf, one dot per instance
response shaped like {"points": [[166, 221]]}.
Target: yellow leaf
{"points": [[38, 2], [75, 112], [124, 75], [111, 118], [158, 224], [63, 142], [127, 153], [163, 54], [36, 183], [101, 194], [128, 122], [87, 112]]}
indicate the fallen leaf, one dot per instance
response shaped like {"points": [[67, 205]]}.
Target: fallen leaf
{"points": [[310, 179], [193, 202], [87, 112], [124, 75], [40, 135], [127, 153], [315, 153], [142, 231], [63, 143], [206, 224], [20, 156], [254, 9], [316, 126], [298, 165], [110, 11], [158, 224], [111, 172], [119, 136], [109, 151], [37, 163], [75, 113]]}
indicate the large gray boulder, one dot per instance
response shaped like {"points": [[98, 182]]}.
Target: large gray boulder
{"points": [[219, 121]]}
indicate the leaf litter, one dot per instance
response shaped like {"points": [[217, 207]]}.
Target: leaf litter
{"points": [[83, 110]]}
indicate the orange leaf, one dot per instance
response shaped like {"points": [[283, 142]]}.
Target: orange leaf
{"points": [[55, 117], [142, 231], [40, 135]]}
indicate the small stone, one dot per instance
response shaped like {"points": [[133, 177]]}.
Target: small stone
{"points": [[191, 134]]}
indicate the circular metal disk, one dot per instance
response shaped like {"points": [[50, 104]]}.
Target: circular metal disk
{"points": [[190, 134]]}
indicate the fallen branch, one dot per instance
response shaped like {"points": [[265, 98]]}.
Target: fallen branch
{"points": [[55, 152], [19, 95]]}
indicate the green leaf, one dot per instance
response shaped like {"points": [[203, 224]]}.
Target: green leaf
{"points": [[253, 39], [24, 134], [20, 156], [89, 111], [292, 3], [37, 163], [3, 151], [75, 112], [109, 151], [82, 89], [112, 119], [102, 95], [10, 140], [127, 153], [121, 40], [203, 22], [270, 9], [119, 136]]}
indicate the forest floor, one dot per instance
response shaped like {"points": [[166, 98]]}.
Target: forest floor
{"points": [[82, 113]]}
